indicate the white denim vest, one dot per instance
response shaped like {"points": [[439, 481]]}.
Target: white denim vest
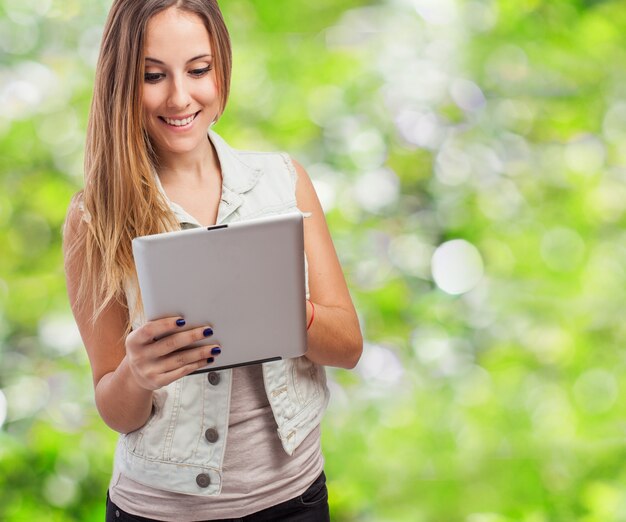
{"points": [[181, 446]]}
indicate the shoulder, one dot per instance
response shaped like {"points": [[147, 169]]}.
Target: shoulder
{"points": [[75, 214], [275, 174], [275, 171], [301, 173], [74, 225], [267, 161], [305, 191], [276, 163], [281, 168]]}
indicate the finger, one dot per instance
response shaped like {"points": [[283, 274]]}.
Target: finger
{"points": [[174, 366], [152, 331], [176, 341], [191, 356], [183, 371]]}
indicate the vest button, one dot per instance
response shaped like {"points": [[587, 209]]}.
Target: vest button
{"points": [[203, 480], [211, 435], [214, 378]]}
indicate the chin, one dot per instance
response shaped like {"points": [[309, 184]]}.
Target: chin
{"points": [[182, 147]]}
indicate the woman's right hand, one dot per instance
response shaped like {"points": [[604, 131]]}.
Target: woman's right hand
{"points": [[157, 353]]}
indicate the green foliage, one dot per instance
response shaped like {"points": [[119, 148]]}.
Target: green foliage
{"points": [[499, 122]]}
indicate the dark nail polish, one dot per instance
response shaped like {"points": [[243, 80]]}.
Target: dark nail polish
{"points": [[207, 332], [216, 351], [180, 322], [210, 360]]}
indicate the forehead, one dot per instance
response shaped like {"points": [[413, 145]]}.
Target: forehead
{"points": [[173, 31]]}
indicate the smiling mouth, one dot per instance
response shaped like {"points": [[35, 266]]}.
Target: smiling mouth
{"points": [[174, 122]]}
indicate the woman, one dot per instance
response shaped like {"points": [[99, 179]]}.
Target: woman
{"points": [[241, 443]]}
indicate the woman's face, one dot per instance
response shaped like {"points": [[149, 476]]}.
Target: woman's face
{"points": [[180, 97]]}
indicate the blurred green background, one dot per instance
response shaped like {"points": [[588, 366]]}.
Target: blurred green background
{"points": [[471, 158]]}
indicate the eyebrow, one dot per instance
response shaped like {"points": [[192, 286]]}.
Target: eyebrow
{"points": [[148, 59]]}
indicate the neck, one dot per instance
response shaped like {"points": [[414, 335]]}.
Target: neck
{"points": [[197, 164]]}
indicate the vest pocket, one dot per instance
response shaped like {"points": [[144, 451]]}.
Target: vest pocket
{"points": [[134, 441]]}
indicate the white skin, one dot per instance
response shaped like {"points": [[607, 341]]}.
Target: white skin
{"points": [[180, 85]]}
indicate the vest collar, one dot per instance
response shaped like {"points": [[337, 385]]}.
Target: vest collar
{"points": [[238, 177]]}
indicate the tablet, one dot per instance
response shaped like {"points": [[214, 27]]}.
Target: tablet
{"points": [[244, 279]]}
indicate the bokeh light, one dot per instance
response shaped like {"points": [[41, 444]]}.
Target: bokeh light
{"points": [[457, 266]]}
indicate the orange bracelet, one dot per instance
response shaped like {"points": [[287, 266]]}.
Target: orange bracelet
{"points": [[312, 315]]}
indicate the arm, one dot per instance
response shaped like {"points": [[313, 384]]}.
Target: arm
{"points": [[334, 338], [126, 369]]}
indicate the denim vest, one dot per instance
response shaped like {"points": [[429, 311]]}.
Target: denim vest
{"points": [[181, 446]]}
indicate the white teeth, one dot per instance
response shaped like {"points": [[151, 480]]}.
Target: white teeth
{"points": [[179, 123]]}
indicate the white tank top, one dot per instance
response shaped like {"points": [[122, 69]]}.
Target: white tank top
{"points": [[257, 473]]}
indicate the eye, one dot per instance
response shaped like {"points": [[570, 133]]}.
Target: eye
{"points": [[153, 77], [201, 72]]}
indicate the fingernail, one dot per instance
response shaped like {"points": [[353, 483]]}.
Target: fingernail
{"points": [[216, 351], [180, 322], [210, 360], [207, 332]]}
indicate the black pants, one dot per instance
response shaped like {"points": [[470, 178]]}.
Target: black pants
{"points": [[311, 506]]}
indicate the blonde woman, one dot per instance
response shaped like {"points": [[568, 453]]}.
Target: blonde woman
{"points": [[237, 444]]}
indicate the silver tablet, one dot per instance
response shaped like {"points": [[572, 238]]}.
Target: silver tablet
{"points": [[244, 279]]}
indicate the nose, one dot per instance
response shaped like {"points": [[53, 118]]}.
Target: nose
{"points": [[178, 96]]}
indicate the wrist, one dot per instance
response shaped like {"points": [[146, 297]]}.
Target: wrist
{"points": [[130, 380]]}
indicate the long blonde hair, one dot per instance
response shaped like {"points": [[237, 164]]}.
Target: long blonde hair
{"points": [[121, 199]]}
